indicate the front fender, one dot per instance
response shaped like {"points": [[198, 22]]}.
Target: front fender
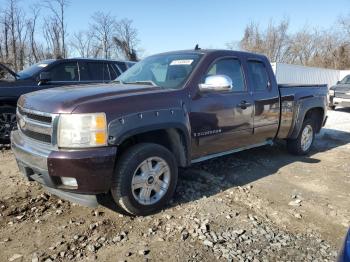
{"points": [[129, 125]]}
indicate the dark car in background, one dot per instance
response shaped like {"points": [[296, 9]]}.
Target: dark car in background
{"points": [[339, 95], [48, 74]]}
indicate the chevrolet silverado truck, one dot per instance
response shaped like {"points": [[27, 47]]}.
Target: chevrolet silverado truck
{"points": [[127, 139], [339, 95], [48, 74]]}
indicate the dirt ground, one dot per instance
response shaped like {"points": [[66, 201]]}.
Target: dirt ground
{"points": [[258, 205]]}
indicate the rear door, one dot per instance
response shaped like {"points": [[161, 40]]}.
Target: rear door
{"points": [[266, 100], [222, 120]]}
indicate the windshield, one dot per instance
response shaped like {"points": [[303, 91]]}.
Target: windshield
{"points": [[346, 80], [34, 69], [167, 71]]}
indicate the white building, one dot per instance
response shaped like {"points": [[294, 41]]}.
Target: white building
{"points": [[297, 74]]}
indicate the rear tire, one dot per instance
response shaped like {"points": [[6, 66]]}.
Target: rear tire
{"points": [[7, 123], [303, 143], [145, 179]]}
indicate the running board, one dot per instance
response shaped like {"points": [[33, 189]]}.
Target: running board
{"points": [[204, 158]]}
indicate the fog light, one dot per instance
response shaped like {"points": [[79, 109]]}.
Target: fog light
{"points": [[69, 181]]}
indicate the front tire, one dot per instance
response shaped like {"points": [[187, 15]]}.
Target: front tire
{"points": [[303, 143], [7, 123], [145, 179]]}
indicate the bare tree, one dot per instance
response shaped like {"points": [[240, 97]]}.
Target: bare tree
{"points": [[126, 39], [4, 39], [32, 23], [273, 42], [58, 8], [322, 48], [302, 47], [52, 35], [252, 39], [344, 22], [276, 40], [11, 14], [84, 44], [104, 27]]}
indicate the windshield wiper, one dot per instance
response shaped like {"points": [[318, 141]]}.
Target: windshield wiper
{"points": [[146, 82]]}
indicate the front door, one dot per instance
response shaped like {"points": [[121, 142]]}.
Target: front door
{"points": [[222, 120]]}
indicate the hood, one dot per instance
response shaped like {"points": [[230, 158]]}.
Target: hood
{"points": [[5, 68], [66, 99]]}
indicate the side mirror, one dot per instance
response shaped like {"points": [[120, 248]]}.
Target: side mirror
{"points": [[338, 82], [216, 83], [44, 77]]}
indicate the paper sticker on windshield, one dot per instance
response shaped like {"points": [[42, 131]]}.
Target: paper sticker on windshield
{"points": [[42, 65], [182, 62]]}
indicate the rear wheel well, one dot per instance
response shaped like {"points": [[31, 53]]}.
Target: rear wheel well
{"points": [[173, 139], [317, 115]]}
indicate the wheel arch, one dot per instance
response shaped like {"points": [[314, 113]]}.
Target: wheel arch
{"points": [[169, 128], [312, 110]]}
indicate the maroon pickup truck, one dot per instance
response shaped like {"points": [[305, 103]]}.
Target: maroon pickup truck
{"points": [[129, 137]]}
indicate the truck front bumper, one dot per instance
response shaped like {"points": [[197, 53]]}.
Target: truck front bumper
{"points": [[91, 168], [337, 101]]}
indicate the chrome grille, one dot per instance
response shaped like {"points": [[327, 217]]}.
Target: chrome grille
{"points": [[36, 125], [40, 118]]}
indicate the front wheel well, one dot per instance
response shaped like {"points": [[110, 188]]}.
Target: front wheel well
{"points": [[173, 139], [317, 115]]}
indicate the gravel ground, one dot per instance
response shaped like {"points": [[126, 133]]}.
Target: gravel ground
{"points": [[258, 205]]}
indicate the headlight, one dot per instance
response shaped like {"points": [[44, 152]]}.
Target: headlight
{"points": [[331, 92], [82, 130]]}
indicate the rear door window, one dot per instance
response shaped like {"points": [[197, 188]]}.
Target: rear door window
{"points": [[259, 76], [65, 72]]}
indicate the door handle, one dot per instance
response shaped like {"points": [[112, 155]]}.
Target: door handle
{"points": [[244, 104]]}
